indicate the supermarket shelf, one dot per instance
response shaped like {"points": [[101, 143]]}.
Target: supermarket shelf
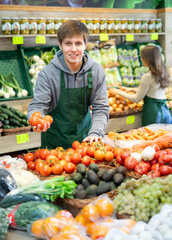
{"points": [[9, 143], [91, 35]]}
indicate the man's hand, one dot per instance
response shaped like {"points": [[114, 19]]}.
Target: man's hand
{"points": [[41, 128], [91, 139]]}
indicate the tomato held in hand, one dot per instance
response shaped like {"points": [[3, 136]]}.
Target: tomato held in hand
{"points": [[34, 121], [29, 157], [48, 118], [130, 163], [37, 114]]}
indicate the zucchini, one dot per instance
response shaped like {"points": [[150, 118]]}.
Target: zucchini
{"points": [[5, 116], [7, 111], [15, 122], [16, 111], [2, 119], [3, 105], [6, 126], [16, 117]]}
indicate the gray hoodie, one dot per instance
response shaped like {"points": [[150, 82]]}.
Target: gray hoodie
{"points": [[47, 90]]}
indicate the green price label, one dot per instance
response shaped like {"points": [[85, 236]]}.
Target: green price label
{"points": [[18, 40], [154, 36], [22, 138], [104, 37], [129, 37], [41, 39], [130, 119]]}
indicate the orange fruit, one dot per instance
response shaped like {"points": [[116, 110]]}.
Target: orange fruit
{"points": [[105, 207], [68, 230], [63, 213], [90, 227], [99, 231], [51, 226], [80, 219], [57, 237], [36, 228], [90, 213]]}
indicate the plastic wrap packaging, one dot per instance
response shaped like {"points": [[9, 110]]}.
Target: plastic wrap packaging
{"points": [[7, 183], [11, 164], [116, 234]]}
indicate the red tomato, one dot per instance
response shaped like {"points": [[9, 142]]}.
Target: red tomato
{"points": [[70, 151], [168, 151], [75, 145], [167, 158], [159, 154], [51, 160], [117, 151], [141, 169], [148, 165], [54, 152], [37, 114], [29, 157], [155, 167], [62, 162], [153, 161], [84, 144], [119, 160], [60, 155], [109, 156], [42, 122], [44, 153], [57, 169], [45, 170], [124, 154], [108, 147], [130, 163], [99, 155], [34, 121], [165, 170], [82, 151], [48, 118], [39, 164], [67, 158], [38, 153], [69, 167], [90, 151], [76, 158], [31, 165], [86, 160], [154, 173]]}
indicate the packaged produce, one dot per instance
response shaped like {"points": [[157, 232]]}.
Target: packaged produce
{"points": [[144, 25], [3, 224], [21, 215], [112, 76], [7, 183], [24, 25], [10, 164], [158, 25], [32, 25], [108, 54], [41, 25], [123, 25], [130, 25], [50, 26], [6, 26], [57, 24], [96, 25], [110, 25], [89, 24], [137, 25], [15, 25], [151, 26], [117, 26], [103, 25]]}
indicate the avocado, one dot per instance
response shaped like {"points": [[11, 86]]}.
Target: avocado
{"points": [[81, 194], [101, 183], [85, 183], [91, 189], [92, 177], [118, 178], [67, 178], [80, 187], [121, 170], [77, 177], [108, 175], [81, 168], [94, 167], [103, 189], [91, 196], [101, 172], [112, 185]]}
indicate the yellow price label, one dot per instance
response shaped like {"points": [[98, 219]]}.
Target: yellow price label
{"points": [[41, 40], [154, 36], [22, 138], [18, 40], [104, 37], [130, 119], [129, 37]]}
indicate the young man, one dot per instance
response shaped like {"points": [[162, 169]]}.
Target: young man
{"points": [[66, 88]]}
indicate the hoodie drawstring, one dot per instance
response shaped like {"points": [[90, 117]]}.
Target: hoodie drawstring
{"points": [[85, 105], [68, 94]]}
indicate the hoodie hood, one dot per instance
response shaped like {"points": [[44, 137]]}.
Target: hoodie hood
{"points": [[59, 62]]}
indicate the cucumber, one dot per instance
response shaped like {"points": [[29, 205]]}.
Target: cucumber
{"points": [[2, 119], [16, 111], [23, 121], [3, 105], [16, 117], [5, 116], [6, 122], [7, 111], [15, 122], [6, 126]]}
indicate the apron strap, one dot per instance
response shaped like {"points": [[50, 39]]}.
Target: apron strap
{"points": [[90, 80], [62, 80]]}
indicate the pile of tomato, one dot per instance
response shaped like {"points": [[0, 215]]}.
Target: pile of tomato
{"points": [[57, 161], [160, 165]]}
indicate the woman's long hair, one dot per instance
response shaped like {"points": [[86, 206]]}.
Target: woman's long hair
{"points": [[152, 56]]}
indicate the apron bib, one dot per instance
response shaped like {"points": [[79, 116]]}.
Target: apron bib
{"points": [[72, 122], [151, 108]]}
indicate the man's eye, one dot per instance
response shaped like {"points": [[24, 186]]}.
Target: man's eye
{"points": [[68, 44]]}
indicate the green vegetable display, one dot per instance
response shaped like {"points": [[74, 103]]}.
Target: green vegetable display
{"points": [[3, 224]]}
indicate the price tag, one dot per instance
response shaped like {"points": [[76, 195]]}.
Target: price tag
{"points": [[129, 37], [154, 36], [41, 40], [18, 40], [104, 37], [22, 138], [130, 119]]}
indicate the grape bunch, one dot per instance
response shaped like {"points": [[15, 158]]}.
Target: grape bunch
{"points": [[143, 198]]}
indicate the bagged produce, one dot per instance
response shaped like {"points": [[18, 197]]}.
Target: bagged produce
{"points": [[3, 224], [7, 183], [10, 164], [21, 215]]}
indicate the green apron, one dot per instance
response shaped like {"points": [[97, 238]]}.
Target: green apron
{"points": [[71, 120], [151, 108]]}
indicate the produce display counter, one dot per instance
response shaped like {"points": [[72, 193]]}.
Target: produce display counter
{"points": [[19, 142], [19, 235]]}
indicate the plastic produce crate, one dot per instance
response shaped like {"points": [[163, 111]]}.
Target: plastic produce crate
{"points": [[12, 62], [31, 51]]}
